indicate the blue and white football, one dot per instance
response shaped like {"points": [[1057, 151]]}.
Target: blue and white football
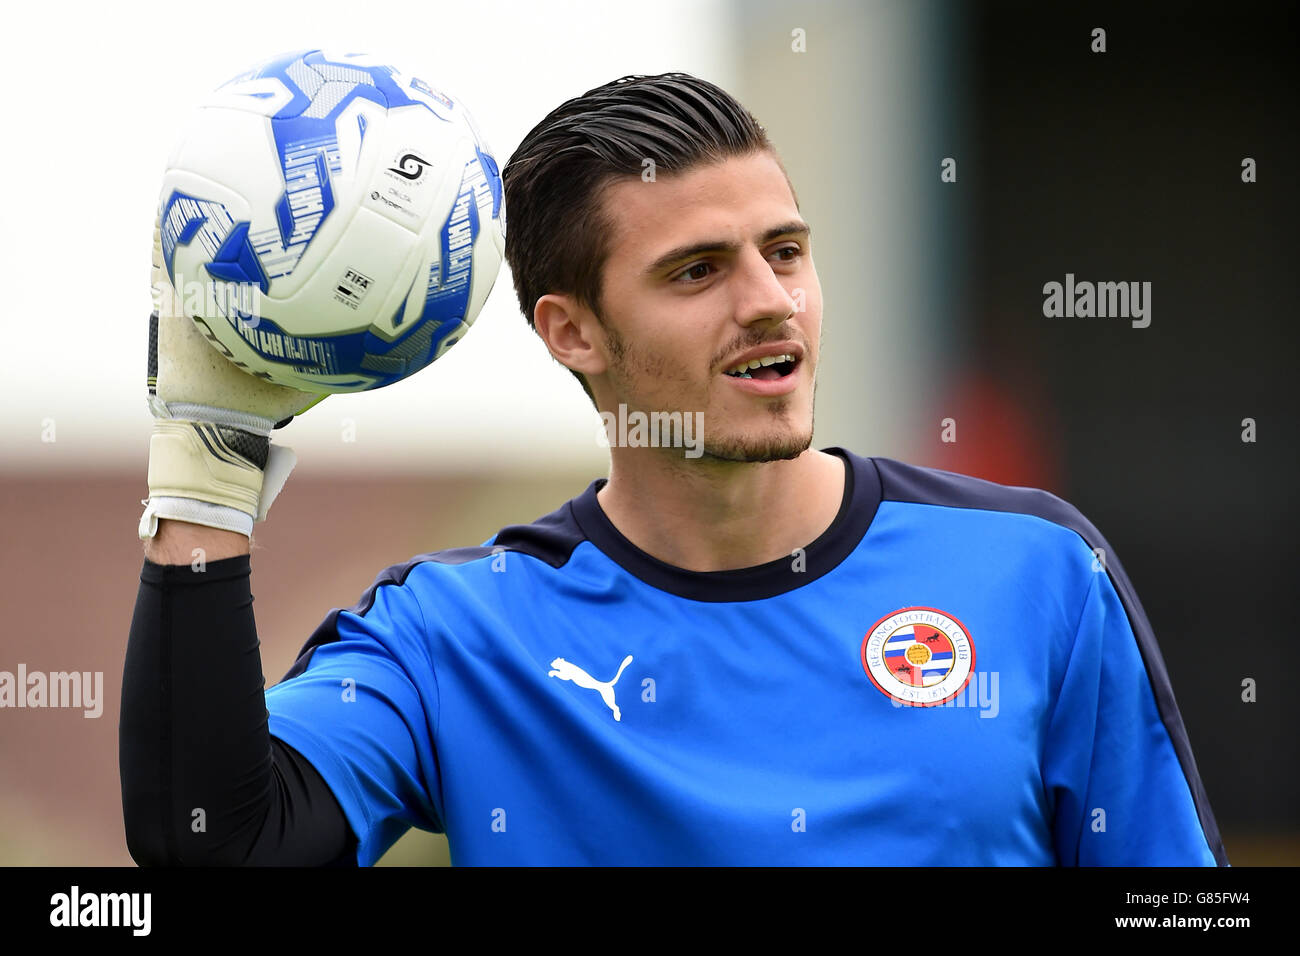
{"points": [[331, 223]]}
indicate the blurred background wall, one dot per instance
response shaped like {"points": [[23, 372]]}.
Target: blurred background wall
{"points": [[1115, 166], [1127, 166]]}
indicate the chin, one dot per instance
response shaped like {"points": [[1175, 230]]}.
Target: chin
{"points": [[757, 448]]}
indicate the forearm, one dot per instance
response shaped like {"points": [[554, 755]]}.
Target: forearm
{"points": [[203, 782]]}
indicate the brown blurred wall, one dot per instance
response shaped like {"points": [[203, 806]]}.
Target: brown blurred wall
{"points": [[71, 565]]}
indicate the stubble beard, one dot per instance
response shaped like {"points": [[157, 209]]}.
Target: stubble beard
{"points": [[785, 444]]}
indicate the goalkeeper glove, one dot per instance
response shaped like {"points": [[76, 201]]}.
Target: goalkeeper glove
{"points": [[211, 460]]}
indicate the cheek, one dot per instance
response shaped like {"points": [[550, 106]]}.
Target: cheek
{"points": [[675, 361], [654, 365]]}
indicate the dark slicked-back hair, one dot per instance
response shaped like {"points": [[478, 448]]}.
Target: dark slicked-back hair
{"points": [[557, 234]]}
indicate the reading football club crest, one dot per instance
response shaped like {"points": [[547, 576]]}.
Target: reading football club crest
{"points": [[919, 656]]}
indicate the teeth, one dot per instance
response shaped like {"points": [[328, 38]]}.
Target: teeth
{"points": [[741, 370]]}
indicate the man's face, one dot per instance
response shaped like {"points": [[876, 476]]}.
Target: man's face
{"points": [[707, 268]]}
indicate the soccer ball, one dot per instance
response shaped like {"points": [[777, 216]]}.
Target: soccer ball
{"points": [[331, 223]]}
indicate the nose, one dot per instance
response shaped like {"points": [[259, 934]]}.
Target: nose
{"points": [[760, 294]]}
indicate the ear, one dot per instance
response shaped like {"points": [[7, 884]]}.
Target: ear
{"points": [[571, 333]]}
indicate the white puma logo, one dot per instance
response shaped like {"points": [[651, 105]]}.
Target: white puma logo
{"points": [[565, 671]]}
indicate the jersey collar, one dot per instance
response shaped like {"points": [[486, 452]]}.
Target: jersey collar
{"points": [[857, 509]]}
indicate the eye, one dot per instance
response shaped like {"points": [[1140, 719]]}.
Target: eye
{"points": [[692, 275], [685, 275]]}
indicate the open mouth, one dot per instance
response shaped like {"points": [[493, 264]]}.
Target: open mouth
{"points": [[769, 368]]}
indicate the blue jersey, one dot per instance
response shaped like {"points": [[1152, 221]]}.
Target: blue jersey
{"points": [[955, 672]]}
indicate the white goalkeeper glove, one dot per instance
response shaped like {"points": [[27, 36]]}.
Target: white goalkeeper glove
{"points": [[211, 460]]}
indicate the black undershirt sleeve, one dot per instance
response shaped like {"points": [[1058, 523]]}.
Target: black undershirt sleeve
{"points": [[203, 781]]}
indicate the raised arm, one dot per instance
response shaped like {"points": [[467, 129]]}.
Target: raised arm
{"points": [[203, 781]]}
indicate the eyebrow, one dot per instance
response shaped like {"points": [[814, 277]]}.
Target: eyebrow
{"points": [[682, 253]]}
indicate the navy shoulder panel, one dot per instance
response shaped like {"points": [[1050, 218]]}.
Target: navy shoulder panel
{"points": [[551, 538], [930, 486], [911, 483]]}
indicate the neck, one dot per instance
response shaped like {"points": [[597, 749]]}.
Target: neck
{"points": [[711, 515]]}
